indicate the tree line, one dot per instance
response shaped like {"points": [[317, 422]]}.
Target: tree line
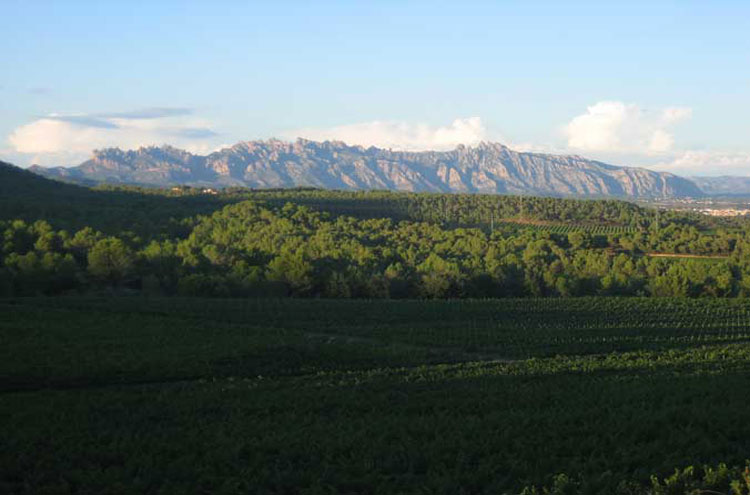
{"points": [[257, 248]]}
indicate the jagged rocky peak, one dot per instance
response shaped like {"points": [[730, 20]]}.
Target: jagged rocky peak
{"points": [[152, 151], [486, 167], [490, 146], [108, 153], [259, 145]]}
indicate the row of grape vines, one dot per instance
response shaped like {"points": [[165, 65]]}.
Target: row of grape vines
{"points": [[567, 228]]}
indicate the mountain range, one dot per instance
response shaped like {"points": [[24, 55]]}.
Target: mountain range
{"points": [[485, 168]]}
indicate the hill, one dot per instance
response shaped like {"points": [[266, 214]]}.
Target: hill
{"points": [[27, 196], [24, 194], [486, 168]]}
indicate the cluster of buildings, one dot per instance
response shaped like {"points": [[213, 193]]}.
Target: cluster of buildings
{"points": [[203, 190], [707, 206], [725, 212]]}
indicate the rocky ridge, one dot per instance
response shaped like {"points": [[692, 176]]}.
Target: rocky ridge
{"points": [[485, 168]]}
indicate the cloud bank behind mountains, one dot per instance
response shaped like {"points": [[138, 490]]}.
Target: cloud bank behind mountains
{"points": [[628, 134], [611, 131], [57, 139], [617, 127], [401, 136], [694, 162]]}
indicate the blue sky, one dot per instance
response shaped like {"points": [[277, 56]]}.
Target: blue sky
{"points": [[658, 84]]}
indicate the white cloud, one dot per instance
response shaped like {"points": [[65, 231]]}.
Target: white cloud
{"points": [[707, 163], [400, 135], [70, 139], [614, 126], [612, 131], [676, 114], [627, 134]]}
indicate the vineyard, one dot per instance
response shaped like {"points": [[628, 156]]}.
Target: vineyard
{"points": [[567, 228], [511, 328], [370, 396]]}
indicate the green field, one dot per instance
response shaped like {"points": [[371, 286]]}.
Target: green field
{"points": [[175, 396]]}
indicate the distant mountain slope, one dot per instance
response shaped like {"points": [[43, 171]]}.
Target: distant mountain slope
{"points": [[486, 168], [724, 185], [22, 190]]}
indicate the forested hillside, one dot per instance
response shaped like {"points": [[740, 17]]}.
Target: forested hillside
{"points": [[312, 243]]}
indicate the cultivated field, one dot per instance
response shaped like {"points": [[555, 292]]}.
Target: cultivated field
{"points": [[567, 228], [136, 395]]}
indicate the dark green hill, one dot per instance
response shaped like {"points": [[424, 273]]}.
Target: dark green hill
{"points": [[28, 196], [17, 182]]}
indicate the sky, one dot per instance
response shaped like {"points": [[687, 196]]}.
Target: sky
{"points": [[663, 85]]}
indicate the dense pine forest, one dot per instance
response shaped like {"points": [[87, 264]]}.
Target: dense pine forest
{"points": [[64, 239]]}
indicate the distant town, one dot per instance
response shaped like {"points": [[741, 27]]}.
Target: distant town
{"points": [[725, 212], [715, 207]]}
